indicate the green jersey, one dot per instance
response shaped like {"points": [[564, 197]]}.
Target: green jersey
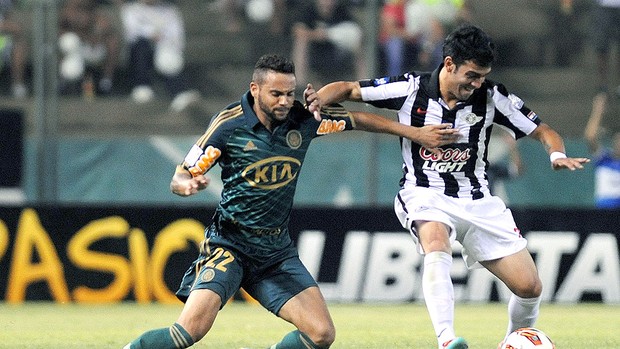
{"points": [[248, 244], [260, 168]]}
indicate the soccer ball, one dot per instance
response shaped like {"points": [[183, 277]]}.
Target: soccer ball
{"points": [[528, 338]]}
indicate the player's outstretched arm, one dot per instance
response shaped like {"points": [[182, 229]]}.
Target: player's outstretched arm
{"points": [[429, 136], [340, 91], [183, 184], [554, 145], [335, 92]]}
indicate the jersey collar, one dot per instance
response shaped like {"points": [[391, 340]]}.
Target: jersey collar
{"points": [[250, 116], [433, 84]]}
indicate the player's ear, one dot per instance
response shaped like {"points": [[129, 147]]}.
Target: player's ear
{"points": [[254, 89], [449, 64]]}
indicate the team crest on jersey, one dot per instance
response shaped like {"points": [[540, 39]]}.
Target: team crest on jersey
{"points": [[472, 119], [293, 139], [207, 275]]}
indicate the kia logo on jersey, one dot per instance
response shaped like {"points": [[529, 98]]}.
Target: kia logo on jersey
{"points": [[272, 173]]}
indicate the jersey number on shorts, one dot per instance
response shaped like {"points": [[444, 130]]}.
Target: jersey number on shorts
{"points": [[219, 259]]}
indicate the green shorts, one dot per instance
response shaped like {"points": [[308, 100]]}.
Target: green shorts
{"points": [[223, 268]]}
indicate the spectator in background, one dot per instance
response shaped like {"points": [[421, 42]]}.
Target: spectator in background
{"points": [[606, 160], [89, 46], [155, 33], [605, 30], [13, 48], [396, 44], [326, 35], [273, 12], [429, 21], [565, 37]]}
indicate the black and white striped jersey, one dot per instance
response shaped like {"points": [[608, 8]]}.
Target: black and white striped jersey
{"points": [[460, 171]]}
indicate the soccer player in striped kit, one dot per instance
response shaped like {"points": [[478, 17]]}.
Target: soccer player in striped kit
{"points": [[445, 195], [260, 143]]}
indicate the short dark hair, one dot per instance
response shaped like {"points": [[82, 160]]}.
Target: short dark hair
{"points": [[468, 42], [272, 62]]}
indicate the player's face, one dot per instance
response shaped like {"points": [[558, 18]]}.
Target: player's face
{"points": [[462, 80], [274, 96]]}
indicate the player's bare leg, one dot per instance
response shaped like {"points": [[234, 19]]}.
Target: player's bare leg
{"points": [[519, 273], [437, 283], [199, 313], [194, 322], [308, 312]]}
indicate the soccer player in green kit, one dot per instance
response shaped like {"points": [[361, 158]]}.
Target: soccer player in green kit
{"points": [[260, 144]]}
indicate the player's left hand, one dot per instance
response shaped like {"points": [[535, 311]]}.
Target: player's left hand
{"points": [[312, 102], [569, 163]]}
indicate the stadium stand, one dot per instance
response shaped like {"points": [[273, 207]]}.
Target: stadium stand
{"points": [[221, 61]]}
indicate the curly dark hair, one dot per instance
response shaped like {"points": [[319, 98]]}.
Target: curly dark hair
{"points": [[469, 42], [272, 62]]}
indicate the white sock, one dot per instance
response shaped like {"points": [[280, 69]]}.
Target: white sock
{"points": [[522, 312], [439, 294]]}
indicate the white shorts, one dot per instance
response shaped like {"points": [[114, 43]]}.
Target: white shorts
{"points": [[485, 227]]}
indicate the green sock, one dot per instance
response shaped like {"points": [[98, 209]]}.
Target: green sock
{"points": [[173, 337], [295, 340]]}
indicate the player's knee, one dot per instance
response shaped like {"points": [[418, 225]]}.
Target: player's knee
{"points": [[529, 289], [324, 336]]}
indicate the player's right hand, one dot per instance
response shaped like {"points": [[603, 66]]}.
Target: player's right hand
{"points": [[312, 101], [433, 136], [189, 186]]}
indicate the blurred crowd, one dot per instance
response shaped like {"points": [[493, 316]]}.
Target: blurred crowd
{"points": [[144, 41], [105, 48], [128, 46], [151, 35]]}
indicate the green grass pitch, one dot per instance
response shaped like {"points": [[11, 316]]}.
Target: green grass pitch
{"points": [[54, 326]]}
